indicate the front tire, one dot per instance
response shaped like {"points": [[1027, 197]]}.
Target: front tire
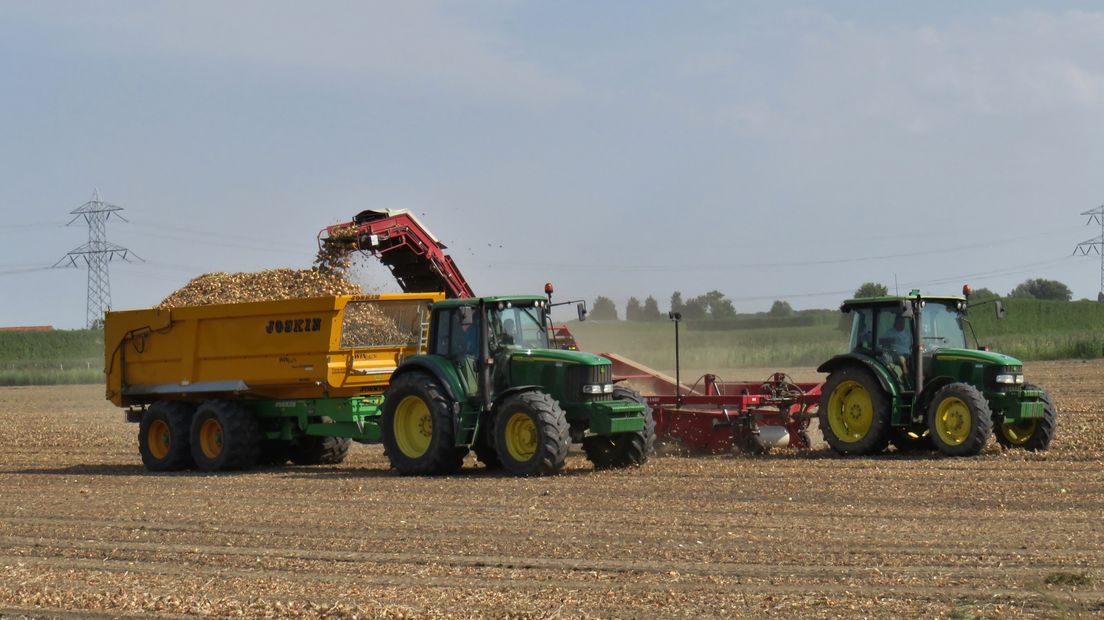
{"points": [[313, 450], [531, 434], [418, 428], [959, 420], [622, 450], [485, 451], [909, 441], [1034, 434], [854, 413], [164, 436], [225, 435]]}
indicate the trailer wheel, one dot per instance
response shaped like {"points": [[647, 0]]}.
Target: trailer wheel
{"points": [[163, 436], [623, 449], [908, 440], [1034, 434], [418, 427], [531, 434], [960, 420], [225, 435], [312, 450], [853, 413]]}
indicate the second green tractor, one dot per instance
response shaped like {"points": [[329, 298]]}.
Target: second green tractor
{"points": [[910, 379]]}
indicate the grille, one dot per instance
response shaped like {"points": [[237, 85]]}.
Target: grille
{"points": [[578, 376], [991, 378]]}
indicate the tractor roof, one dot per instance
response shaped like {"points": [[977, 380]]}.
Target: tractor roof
{"points": [[888, 300], [471, 301]]}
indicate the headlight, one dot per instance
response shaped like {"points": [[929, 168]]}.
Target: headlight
{"points": [[1019, 379], [1007, 379], [598, 388]]}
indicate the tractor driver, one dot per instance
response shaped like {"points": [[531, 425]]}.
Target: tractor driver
{"points": [[509, 333], [897, 344], [899, 339]]}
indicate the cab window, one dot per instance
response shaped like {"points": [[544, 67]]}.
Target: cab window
{"points": [[862, 330]]}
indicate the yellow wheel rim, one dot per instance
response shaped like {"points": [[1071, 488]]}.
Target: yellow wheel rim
{"points": [[850, 411], [521, 437], [159, 439], [210, 438], [953, 421], [1017, 433], [413, 427]]}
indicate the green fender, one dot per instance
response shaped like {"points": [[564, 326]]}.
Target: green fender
{"points": [[877, 369], [440, 368]]}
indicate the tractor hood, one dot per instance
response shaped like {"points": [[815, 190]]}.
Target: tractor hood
{"points": [[558, 356], [988, 358]]}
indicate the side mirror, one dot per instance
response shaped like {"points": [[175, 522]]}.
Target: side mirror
{"points": [[581, 310], [467, 316], [905, 309], [1000, 309]]}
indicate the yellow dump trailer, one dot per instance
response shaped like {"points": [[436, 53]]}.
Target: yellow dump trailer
{"points": [[227, 386]]}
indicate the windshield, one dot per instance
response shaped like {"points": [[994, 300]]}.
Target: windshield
{"points": [[942, 327], [519, 326]]}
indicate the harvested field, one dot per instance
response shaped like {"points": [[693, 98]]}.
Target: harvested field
{"points": [[84, 528]]}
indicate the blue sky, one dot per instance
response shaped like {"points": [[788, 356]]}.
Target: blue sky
{"points": [[768, 150]]}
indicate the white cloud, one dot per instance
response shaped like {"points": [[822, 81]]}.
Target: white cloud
{"points": [[913, 77], [410, 44]]}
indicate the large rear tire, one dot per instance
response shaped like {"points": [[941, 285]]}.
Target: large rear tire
{"points": [[854, 413], [1034, 434], [225, 435], [531, 434], [959, 420], [164, 436], [418, 428], [622, 450]]}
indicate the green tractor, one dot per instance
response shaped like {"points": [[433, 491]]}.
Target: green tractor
{"points": [[491, 383], [909, 379]]}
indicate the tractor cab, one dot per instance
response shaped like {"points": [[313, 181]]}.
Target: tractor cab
{"points": [[905, 333]]}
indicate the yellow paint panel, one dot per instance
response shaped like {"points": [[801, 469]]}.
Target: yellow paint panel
{"points": [[279, 349]]}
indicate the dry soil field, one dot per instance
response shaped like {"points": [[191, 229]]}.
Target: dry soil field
{"points": [[85, 530]]}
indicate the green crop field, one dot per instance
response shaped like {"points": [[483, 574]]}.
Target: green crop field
{"points": [[51, 358], [1031, 330]]}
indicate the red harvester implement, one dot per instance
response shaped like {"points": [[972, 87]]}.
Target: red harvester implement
{"points": [[714, 416]]}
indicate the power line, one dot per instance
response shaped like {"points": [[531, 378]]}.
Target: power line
{"points": [[1094, 245], [96, 254], [727, 266]]}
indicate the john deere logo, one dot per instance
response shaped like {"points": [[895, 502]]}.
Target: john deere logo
{"points": [[288, 326]]}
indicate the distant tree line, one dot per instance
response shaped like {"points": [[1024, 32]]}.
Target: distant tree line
{"points": [[711, 305], [1036, 288], [715, 305]]}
